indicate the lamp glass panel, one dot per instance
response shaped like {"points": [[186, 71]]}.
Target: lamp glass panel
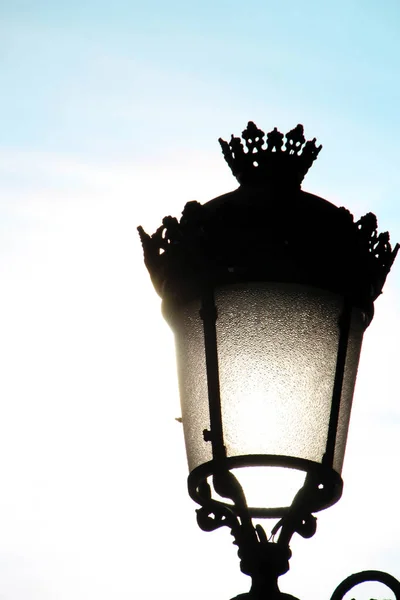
{"points": [[192, 378], [277, 353], [350, 374]]}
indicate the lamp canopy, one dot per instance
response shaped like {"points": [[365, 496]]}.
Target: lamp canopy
{"points": [[268, 229]]}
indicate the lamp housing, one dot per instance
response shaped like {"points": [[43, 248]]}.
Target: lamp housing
{"points": [[268, 290]]}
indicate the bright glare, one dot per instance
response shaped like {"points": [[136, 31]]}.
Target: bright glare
{"points": [[270, 486]]}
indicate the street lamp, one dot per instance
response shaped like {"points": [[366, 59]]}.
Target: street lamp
{"points": [[268, 290]]}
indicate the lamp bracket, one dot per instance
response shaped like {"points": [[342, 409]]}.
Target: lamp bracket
{"points": [[262, 558]]}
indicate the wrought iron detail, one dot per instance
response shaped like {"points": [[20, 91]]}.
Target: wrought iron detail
{"points": [[270, 159], [364, 576], [237, 241], [259, 557], [262, 558], [327, 493]]}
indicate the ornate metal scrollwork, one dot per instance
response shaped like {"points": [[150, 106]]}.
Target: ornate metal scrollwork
{"points": [[262, 558]]}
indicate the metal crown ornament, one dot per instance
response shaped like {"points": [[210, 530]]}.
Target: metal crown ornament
{"points": [[278, 162]]}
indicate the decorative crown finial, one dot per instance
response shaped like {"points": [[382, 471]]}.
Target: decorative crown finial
{"points": [[278, 162]]}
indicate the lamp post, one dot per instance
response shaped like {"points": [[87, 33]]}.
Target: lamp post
{"points": [[268, 290]]}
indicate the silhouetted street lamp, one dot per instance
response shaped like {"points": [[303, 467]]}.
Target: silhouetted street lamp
{"points": [[269, 290]]}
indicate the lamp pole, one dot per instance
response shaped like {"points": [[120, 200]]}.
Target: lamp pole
{"points": [[268, 290]]}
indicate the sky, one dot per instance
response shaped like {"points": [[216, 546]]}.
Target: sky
{"points": [[110, 118]]}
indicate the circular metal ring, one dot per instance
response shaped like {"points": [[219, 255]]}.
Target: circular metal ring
{"points": [[328, 494]]}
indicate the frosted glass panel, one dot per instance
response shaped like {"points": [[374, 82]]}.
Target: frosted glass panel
{"points": [[350, 373], [277, 352], [189, 342], [277, 348]]}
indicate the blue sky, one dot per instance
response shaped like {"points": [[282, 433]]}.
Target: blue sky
{"points": [[111, 115]]}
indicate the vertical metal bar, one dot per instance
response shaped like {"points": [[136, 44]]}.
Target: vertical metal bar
{"points": [[209, 315], [344, 331]]}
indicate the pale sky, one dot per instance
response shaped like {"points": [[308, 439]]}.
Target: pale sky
{"points": [[111, 115]]}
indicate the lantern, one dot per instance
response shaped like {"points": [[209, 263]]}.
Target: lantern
{"points": [[268, 290]]}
